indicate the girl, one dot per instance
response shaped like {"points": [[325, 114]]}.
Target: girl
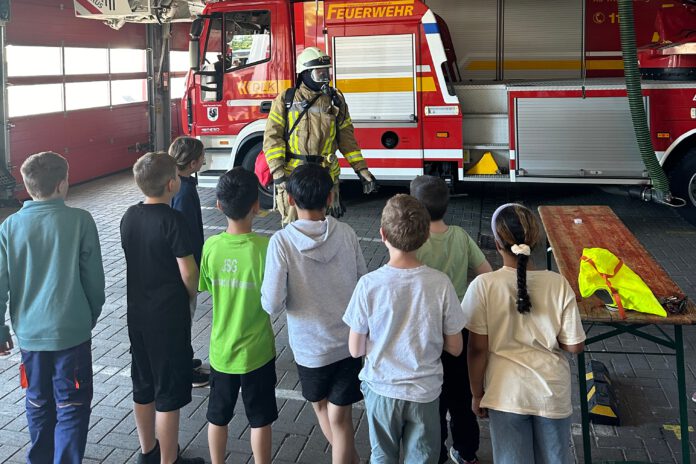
{"points": [[190, 158], [520, 322]]}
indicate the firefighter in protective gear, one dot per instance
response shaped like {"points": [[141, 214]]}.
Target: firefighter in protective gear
{"points": [[307, 124]]}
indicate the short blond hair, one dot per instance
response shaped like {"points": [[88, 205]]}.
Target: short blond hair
{"points": [[43, 172], [405, 222], [153, 171]]}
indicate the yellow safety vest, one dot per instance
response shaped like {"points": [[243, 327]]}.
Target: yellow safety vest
{"points": [[601, 269]]}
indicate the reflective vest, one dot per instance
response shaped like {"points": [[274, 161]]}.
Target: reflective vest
{"points": [[601, 269]]}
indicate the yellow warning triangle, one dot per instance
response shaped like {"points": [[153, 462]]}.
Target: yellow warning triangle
{"points": [[486, 165]]}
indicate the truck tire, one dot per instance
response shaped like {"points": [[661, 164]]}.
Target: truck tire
{"points": [[682, 182], [248, 163]]}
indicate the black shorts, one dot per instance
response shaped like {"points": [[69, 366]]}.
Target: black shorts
{"points": [[258, 395], [337, 382], [161, 367]]}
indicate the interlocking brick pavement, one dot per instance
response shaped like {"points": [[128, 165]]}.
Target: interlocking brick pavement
{"points": [[645, 384]]}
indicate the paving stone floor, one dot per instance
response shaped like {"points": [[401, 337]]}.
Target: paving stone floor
{"points": [[646, 385]]}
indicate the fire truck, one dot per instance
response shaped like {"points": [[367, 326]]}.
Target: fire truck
{"points": [[469, 90]]}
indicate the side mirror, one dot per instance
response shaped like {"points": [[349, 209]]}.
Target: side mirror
{"points": [[195, 54], [194, 44]]}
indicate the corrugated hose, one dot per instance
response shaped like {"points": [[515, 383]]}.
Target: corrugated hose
{"points": [[660, 192]]}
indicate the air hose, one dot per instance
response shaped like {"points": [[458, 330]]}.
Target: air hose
{"points": [[660, 192]]}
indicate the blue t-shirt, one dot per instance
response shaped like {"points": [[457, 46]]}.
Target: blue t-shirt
{"points": [[188, 203]]}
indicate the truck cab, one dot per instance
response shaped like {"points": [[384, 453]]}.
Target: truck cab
{"points": [[245, 60]]}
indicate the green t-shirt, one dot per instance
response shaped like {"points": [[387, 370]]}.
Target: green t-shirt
{"points": [[454, 253], [232, 269]]}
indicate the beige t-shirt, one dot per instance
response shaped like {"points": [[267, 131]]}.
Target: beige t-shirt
{"points": [[527, 372]]}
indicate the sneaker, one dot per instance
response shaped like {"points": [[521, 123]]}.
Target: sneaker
{"points": [[456, 457], [199, 379], [196, 363], [153, 457]]}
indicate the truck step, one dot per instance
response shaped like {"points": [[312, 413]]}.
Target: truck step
{"points": [[486, 178]]}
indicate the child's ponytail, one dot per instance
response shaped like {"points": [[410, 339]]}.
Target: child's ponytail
{"points": [[516, 231]]}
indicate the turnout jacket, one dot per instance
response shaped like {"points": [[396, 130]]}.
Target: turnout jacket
{"points": [[321, 131]]}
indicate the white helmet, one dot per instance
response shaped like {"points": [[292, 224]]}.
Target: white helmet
{"points": [[316, 60]]}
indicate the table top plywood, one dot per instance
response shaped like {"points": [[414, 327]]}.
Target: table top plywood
{"points": [[601, 228]]}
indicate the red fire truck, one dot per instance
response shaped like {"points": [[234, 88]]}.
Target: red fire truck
{"points": [[470, 90]]}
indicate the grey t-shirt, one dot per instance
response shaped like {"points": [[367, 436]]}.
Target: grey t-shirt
{"points": [[404, 313]]}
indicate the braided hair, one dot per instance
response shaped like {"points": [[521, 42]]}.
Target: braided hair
{"points": [[517, 231]]}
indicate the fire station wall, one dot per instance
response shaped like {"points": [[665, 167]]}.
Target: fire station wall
{"points": [[95, 141]]}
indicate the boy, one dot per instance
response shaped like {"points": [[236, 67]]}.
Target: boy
{"points": [[162, 277], [451, 250], [409, 313], [312, 267], [51, 272], [242, 347]]}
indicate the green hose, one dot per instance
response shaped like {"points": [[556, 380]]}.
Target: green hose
{"points": [[635, 101]]}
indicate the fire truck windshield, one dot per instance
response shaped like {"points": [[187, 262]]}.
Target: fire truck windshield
{"points": [[246, 40]]}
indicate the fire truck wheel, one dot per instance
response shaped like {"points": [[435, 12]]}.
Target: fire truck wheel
{"points": [[682, 180], [248, 163]]}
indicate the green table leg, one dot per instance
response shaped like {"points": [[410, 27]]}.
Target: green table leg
{"points": [[584, 414], [681, 385]]}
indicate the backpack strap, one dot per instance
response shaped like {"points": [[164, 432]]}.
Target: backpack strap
{"points": [[289, 101]]}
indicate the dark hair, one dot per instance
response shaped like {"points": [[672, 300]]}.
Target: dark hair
{"points": [[514, 224], [433, 193], [42, 173], [185, 150], [405, 222], [153, 171], [237, 191], [310, 185]]}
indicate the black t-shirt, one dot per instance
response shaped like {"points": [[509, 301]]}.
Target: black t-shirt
{"points": [[152, 237]]}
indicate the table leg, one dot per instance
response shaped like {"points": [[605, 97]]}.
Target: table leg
{"points": [[681, 388], [584, 414], [549, 254]]}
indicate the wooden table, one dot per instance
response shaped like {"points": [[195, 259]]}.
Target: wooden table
{"points": [[601, 228]]}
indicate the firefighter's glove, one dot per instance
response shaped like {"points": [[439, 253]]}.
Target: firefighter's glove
{"points": [[369, 182], [281, 199], [336, 208]]}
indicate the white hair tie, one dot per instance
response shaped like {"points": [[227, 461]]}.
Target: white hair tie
{"points": [[521, 249]]}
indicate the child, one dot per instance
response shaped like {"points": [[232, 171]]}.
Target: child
{"points": [[401, 317], [189, 156], [51, 272], [312, 267], [242, 347], [162, 278], [450, 250], [520, 322]]}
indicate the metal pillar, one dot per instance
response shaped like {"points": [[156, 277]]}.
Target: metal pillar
{"points": [[158, 90], [7, 182]]}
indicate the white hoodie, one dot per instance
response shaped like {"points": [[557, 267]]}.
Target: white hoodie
{"points": [[312, 268]]}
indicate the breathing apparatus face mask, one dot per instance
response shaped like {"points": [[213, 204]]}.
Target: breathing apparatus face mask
{"points": [[321, 75]]}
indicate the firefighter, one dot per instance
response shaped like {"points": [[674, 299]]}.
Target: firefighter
{"points": [[307, 124]]}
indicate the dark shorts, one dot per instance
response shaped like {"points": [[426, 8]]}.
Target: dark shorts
{"points": [[337, 382], [161, 367], [258, 395]]}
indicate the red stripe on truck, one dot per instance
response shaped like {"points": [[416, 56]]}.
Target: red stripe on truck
{"points": [[89, 7]]}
